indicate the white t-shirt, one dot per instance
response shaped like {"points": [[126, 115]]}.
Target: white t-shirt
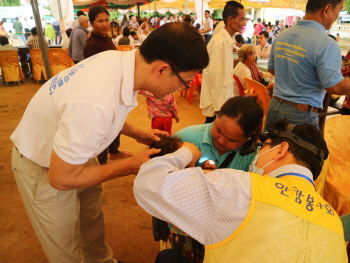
{"points": [[79, 112], [241, 71], [75, 24], [142, 37], [196, 21], [208, 24], [65, 44], [266, 49], [132, 41], [161, 23]]}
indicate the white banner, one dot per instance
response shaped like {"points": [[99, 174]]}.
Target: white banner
{"points": [[162, 11], [174, 11]]}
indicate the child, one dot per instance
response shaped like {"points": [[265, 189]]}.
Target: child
{"points": [[338, 37], [161, 111], [10, 37]]}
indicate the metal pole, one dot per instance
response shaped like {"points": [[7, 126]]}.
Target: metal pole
{"points": [[186, 6], [138, 9], [295, 7], [41, 37]]}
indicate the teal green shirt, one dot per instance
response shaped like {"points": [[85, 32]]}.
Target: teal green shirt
{"points": [[200, 136], [18, 27], [345, 219]]}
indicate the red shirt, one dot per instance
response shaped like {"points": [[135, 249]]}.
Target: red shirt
{"points": [[258, 29]]}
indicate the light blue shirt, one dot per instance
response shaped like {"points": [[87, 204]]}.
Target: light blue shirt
{"points": [[306, 62], [200, 136]]}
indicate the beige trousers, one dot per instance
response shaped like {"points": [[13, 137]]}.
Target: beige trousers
{"points": [[69, 224]]}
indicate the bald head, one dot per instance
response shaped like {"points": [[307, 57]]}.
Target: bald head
{"points": [[83, 21]]}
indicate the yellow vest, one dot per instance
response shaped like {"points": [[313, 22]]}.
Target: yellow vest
{"points": [[287, 222]]}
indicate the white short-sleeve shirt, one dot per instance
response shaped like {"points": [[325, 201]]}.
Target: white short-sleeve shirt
{"points": [[208, 24], [80, 111]]}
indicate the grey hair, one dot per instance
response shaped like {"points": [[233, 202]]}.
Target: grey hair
{"points": [[244, 51]]}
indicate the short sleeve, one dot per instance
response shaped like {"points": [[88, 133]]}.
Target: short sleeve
{"points": [[81, 129], [187, 134], [328, 66]]}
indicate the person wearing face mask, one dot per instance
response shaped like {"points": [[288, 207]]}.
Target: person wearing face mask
{"points": [[245, 216]]}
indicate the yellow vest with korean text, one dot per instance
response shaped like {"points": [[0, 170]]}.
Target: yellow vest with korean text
{"points": [[287, 222]]}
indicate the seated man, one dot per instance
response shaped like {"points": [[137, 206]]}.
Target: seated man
{"points": [[239, 42], [139, 38], [126, 33], [34, 41], [248, 217], [124, 41], [264, 48], [4, 42]]}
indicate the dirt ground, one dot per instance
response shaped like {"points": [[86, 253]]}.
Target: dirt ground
{"points": [[128, 226]]}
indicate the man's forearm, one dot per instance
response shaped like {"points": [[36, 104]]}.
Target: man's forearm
{"points": [[206, 31], [265, 54], [129, 130]]}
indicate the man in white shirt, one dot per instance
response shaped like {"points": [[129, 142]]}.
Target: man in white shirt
{"points": [[249, 29], [208, 27], [217, 83], [26, 27], [226, 210], [138, 38], [126, 33], [74, 117], [263, 49], [76, 22], [31, 22], [162, 21], [196, 21], [171, 19]]}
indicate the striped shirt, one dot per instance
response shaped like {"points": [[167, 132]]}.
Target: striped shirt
{"points": [[34, 43]]}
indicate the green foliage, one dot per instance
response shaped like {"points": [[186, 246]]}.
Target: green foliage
{"points": [[347, 6], [10, 3]]}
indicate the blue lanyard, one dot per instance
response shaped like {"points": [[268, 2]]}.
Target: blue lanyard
{"points": [[298, 175]]}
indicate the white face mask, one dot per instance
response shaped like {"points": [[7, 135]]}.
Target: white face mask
{"points": [[260, 171]]}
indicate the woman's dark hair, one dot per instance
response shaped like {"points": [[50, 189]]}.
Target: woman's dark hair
{"points": [[80, 13], [177, 43], [167, 145], [277, 22], [247, 111], [68, 32], [313, 6], [4, 40], [95, 10], [309, 133], [126, 32], [231, 10], [239, 38]]}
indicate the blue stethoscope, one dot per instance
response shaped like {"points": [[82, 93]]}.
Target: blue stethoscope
{"points": [[298, 175]]}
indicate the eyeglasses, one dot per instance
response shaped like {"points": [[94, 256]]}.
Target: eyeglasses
{"points": [[187, 84]]}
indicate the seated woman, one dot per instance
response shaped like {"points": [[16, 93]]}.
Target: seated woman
{"points": [[126, 34], [245, 67], [236, 124]]}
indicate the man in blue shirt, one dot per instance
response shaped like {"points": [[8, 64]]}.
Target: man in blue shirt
{"points": [[236, 123], [306, 63]]}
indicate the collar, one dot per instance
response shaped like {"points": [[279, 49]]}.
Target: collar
{"points": [[128, 95], [292, 168], [229, 39], [207, 136], [267, 44], [99, 36], [311, 23], [85, 29]]}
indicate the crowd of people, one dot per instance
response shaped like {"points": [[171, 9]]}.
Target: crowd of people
{"points": [[217, 191]]}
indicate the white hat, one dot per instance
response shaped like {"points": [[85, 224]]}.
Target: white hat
{"points": [[248, 17]]}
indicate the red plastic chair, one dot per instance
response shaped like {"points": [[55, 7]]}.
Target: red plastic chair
{"points": [[197, 81]]}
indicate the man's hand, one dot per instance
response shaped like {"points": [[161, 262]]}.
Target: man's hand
{"points": [[177, 120], [149, 136], [196, 154], [141, 158]]}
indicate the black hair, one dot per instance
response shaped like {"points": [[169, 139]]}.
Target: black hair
{"points": [[126, 32], [259, 19], [207, 11], [266, 35], [247, 111], [167, 145], [31, 17], [188, 49], [239, 38], [304, 157], [133, 33], [95, 10], [313, 6], [188, 19], [3, 40], [331, 36], [198, 26], [124, 41], [33, 31], [231, 10], [68, 32], [277, 22], [80, 13]]}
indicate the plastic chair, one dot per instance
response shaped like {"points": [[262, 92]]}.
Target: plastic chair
{"points": [[11, 71], [337, 186], [239, 84], [254, 88], [196, 82], [124, 48], [58, 60], [69, 59], [38, 64]]}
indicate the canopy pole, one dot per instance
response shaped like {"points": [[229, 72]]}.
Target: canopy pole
{"points": [[186, 7], [42, 43], [138, 9], [149, 10], [295, 7]]}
